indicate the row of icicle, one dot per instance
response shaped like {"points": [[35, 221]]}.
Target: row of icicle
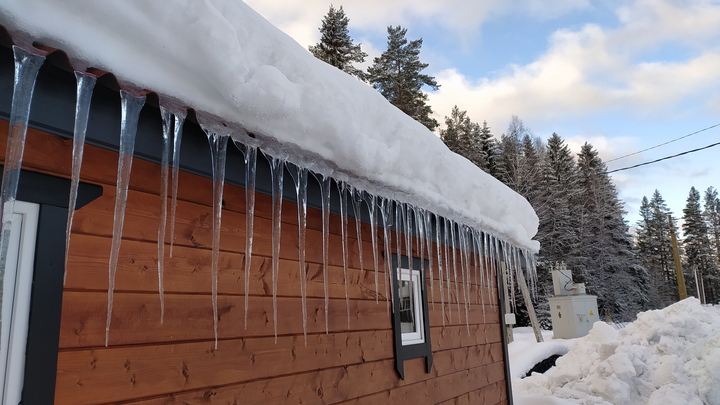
{"points": [[449, 238]]}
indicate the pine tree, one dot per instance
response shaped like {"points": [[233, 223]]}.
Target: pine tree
{"points": [[489, 150], [453, 129], [336, 47], [711, 213], [396, 74], [698, 251], [462, 136], [655, 250], [605, 247], [712, 218]]}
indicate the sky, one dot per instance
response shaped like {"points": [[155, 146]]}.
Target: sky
{"points": [[622, 75]]}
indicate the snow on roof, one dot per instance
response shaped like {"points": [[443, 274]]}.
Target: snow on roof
{"points": [[222, 58]]}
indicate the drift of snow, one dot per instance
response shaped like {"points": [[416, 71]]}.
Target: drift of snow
{"points": [[668, 356], [221, 58]]}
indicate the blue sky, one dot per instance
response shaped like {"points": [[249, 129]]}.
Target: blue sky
{"points": [[622, 75]]}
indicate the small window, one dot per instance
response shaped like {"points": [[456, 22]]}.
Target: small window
{"points": [[410, 312]]}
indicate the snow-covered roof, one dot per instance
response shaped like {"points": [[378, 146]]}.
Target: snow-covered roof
{"points": [[223, 59]]}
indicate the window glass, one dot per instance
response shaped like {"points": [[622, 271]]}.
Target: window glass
{"points": [[411, 319]]}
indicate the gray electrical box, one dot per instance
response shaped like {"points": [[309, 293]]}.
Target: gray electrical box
{"points": [[573, 312]]}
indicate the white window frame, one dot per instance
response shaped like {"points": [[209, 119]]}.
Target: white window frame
{"points": [[17, 288], [417, 337]]}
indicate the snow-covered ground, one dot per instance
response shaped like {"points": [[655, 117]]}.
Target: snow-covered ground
{"points": [[668, 356]]}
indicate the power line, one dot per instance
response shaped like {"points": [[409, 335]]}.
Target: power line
{"points": [[662, 144], [664, 158]]}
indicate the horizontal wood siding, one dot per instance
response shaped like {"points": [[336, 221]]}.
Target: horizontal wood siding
{"points": [[175, 362]]}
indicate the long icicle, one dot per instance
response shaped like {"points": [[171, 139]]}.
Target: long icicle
{"points": [[465, 273], [131, 106], [372, 204], [277, 167], [420, 228], [218, 150], [386, 212], [301, 191], [446, 229], [27, 66], [454, 266], [342, 188], [250, 171], [85, 86], [356, 196], [178, 120], [428, 232], [438, 245], [164, 178], [325, 243]]}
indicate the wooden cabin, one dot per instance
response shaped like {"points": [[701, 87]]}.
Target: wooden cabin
{"points": [[360, 359]]}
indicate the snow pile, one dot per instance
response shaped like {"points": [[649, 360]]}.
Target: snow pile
{"points": [[669, 356], [223, 59]]}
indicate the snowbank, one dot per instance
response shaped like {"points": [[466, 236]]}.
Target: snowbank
{"points": [[223, 59], [669, 356]]}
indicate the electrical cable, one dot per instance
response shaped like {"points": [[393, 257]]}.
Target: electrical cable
{"points": [[662, 144], [664, 158]]}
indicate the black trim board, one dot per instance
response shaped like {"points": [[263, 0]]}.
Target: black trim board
{"points": [[52, 194], [424, 349]]}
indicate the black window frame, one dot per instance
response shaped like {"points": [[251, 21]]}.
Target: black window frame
{"points": [[412, 351], [51, 193]]}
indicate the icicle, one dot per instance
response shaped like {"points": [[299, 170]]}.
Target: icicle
{"points": [[27, 66], [301, 181], [356, 196], [438, 245], [179, 120], [373, 235], [250, 171], [342, 188], [420, 227], [464, 273], [325, 185], [451, 225], [164, 177], [408, 235], [218, 151], [277, 167], [131, 106], [386, 212], [85, 85], [398, 244], [428, 232]]}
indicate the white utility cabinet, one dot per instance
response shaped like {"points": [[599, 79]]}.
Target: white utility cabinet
{"points": [[572, 311], [573, 315]]}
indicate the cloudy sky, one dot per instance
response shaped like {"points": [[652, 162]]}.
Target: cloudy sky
{"points": [[622, 75]]}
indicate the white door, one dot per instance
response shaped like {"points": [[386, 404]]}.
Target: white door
{"points": [[17, 288]]}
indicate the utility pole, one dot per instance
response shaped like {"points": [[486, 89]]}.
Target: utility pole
{"points": [[682, 292]]}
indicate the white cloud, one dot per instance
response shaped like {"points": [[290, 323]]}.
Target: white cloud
{"points": [[595, 69]]}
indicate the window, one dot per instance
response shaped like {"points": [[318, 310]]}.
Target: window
{"points": [[410, 313], [411, 320]]}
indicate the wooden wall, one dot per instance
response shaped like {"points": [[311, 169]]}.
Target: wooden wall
{"points": [[175, 362]]}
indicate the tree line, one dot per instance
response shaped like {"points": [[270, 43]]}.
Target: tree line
{"points": [[581, 216], [699, 246]]}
